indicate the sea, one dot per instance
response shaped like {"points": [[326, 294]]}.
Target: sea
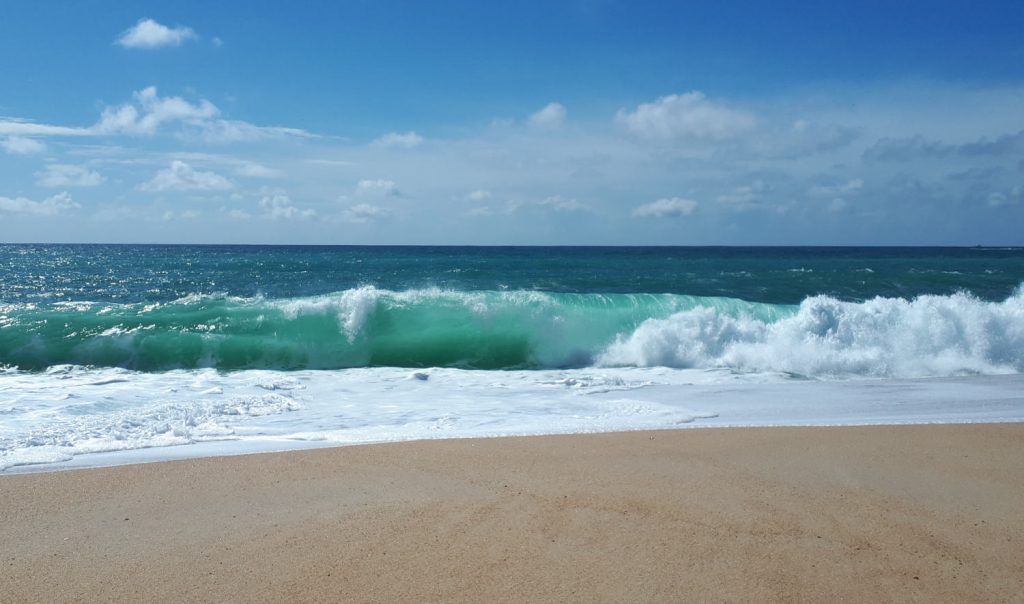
{"points": [[113, 354]]}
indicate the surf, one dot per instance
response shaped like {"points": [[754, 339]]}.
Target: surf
{"points": [[366, 326]]}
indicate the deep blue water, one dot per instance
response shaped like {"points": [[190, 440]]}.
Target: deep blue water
{"points": [[144, 273]]}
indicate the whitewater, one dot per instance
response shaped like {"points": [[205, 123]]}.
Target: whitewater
{"points": [[113, 355]]}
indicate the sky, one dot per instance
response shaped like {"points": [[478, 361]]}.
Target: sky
{"points": [[583, 122]]}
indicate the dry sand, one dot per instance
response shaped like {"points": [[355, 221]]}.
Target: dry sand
{"points": [[885, 513]]}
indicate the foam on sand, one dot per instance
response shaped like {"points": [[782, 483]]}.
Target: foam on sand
{"points": [[74, 416]]}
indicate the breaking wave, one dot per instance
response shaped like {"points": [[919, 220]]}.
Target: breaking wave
{"points": [[363, 327]]}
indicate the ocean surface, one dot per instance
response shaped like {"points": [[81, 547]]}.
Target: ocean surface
{"points": [[122, 353]]}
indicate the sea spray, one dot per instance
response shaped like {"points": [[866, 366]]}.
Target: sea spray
{"points": [[825, 338]]}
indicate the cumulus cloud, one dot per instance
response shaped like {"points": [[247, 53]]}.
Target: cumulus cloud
{"points": [[18, 145], [551, 116], [150, 110], [377, 188], [183, 177], [685, 115], [51, 206], [148, 34], [666, 208], [406, 140], [364, 212], [65, 175], [278, 206]]}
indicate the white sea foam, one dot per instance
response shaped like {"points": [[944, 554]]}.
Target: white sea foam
{"points": [[74, 416], [883, 337]]}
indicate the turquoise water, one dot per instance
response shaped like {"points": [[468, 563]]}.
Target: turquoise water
{"points": [[156, 308]]}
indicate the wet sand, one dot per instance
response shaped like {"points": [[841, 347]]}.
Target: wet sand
{"points": [[882, 513]]}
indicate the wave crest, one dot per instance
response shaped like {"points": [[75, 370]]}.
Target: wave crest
{"points": [[882, 337], [366, 326]]}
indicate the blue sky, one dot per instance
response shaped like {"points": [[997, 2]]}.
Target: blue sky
{"points": [[584, 122]]}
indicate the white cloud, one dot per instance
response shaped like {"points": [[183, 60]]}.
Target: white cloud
{"points": [[830, 191], [278, 206], [183, 215], [18, 145], [241, 167], [685, 115], [836, 194], [231, 131], [813, 137], [155, 110], [18, 127], [149, 34], [364, 212], [554, 203], [510, 207], [592, 162], [330, 163], [65, 175], [51, 206], [148, 112], [1013, 197], [377, 188], [254, 170], [478, 195], [183, 177], [481, 211], [237, 214], [666, 208], [560, 204], [551, 116], [744, 196], [407, 140]]}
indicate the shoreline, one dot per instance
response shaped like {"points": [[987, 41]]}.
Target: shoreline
{"points": [[267, 411], [925, 512], [209, 450]]}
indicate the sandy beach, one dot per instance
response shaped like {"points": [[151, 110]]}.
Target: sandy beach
{"points": [[883, 513]]}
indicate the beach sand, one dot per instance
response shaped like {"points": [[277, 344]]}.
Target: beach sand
{"points": [[882, 513]]}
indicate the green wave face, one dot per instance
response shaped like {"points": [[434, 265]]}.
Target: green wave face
{"points": [[354, 328]]}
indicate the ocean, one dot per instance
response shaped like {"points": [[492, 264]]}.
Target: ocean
{"points": [[115, 354]]}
